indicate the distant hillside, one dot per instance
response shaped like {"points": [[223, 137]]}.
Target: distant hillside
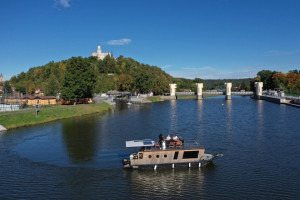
{"points": [[124, 74]]}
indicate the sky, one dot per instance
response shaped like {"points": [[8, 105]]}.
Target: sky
{"points": [[208, 39]]}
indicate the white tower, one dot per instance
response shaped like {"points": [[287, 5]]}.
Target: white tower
{"points": [[173, 90], [199, 90], [258, 88], [228, 91]]}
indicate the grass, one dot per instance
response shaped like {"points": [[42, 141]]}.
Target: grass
{"points": [[21, 119], [155, 98], [186, 97]]}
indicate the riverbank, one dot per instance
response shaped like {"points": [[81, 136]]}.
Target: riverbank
{"points": [[21, 119]]}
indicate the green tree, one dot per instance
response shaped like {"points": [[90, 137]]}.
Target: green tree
{"points": [[266, 78], [7, 88], [51, 87], [245, 86], [79, 79], [104, 83], [124, 82]]}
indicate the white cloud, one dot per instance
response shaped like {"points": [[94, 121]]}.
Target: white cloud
{"points": [[166, 66], [63, 3], [206, 68], [124, 41]]}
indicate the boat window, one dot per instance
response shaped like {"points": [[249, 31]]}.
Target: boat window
{"points": [[150, 156], [175, 155], [190, 154], [140, 155], [157, 156], [165, 155]]}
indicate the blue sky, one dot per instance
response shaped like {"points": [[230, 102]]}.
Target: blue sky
{"points": [[186, 38]]}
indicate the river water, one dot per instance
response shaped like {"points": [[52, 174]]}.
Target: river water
{"points": [[80, 158]]}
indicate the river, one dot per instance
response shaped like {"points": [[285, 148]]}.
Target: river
{"points": [[80, 158]]}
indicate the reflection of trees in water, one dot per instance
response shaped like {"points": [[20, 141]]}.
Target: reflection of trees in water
{"points": [[166, 182], [80, 137]]}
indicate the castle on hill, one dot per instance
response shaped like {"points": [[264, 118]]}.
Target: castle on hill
{"points": [[99, 54], [1, 78]]}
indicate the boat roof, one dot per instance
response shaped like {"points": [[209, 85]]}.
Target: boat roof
{"points": [[140, 143]]}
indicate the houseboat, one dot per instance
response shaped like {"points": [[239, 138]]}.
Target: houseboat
{"points": [[168, 153]]}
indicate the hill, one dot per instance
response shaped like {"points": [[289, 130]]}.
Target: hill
{"points": [[123, 74]]}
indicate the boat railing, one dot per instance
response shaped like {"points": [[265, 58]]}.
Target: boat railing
{"points": [[191, 144]]}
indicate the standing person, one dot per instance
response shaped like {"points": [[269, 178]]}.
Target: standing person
{"points": [[161, 138]]}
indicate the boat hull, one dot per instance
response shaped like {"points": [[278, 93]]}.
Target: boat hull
{"points": [[172, 158]]}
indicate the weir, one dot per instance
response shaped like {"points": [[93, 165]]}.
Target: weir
{"points": [[199, 93]]}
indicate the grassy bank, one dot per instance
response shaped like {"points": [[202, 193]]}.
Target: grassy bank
{"points": [[186, 97], [155, 98], [20, 119]]}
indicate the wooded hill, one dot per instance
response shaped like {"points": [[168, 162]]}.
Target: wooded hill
{"points": [[80, 77]]}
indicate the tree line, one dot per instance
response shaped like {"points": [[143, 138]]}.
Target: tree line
{"points": [[80, 77], [212, 84], [272, 80]]}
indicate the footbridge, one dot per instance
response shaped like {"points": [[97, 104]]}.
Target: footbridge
{"points": [[227, 92]]}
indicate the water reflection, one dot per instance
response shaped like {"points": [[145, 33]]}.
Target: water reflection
{"points": [[173, 116], [260, 117], [80, 137], [167, 182], [229, 116]]}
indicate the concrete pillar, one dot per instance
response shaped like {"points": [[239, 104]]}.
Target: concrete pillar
{"points": [[199, 90], [258, 88], [173, 90], [228, 91]]}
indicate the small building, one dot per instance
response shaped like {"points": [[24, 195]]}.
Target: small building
{"points": [[39, 100], [99, 54], [11, 100], [39, 92]]}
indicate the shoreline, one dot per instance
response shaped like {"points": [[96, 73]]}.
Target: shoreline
{"points": [[23, 119]]}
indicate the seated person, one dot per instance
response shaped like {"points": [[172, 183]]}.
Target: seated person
{"points": [[175, 138], [168, 138]]}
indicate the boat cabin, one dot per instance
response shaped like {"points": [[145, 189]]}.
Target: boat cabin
{"points": [[153, 154]]}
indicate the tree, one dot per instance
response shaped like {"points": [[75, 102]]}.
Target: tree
{"points": [[79, 79], [6, 88], [279, 80], [295, 71], [51, 87], [266, 78], [245, 86], [124, 82], [104, 83]]}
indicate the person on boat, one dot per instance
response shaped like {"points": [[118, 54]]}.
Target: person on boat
{"points": [[168, 138], [161, 138], [175, 138]]}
